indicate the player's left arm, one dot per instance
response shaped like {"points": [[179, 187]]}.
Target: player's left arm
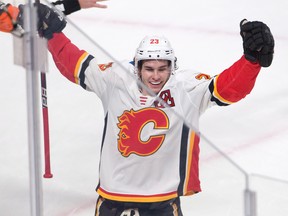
{"points": [[236, 82]]}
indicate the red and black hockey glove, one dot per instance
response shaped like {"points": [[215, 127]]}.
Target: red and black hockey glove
{"points": [[8, 17], [258, 42]]}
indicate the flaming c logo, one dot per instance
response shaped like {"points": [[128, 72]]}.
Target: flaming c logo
{"points": [[131, 124]]}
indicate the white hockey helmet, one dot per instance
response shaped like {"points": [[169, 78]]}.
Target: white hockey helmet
{"points": [[155, 47]]}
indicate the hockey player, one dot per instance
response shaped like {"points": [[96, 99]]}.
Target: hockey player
{"points": [[149, 156]]}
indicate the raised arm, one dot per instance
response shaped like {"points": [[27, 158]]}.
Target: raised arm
{"points": [[236, 82]]}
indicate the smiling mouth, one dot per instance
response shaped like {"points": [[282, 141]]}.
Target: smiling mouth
{"points": [[155, 83]]}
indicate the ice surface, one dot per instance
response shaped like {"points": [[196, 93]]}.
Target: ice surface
{"points": [[205, 36]]}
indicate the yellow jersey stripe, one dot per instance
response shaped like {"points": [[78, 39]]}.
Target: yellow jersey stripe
{"points": [[136, 198], [217, 95], [78, 66], [189, 161]]}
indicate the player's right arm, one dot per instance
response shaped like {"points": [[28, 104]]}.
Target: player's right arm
{"points": [[69, 59]]}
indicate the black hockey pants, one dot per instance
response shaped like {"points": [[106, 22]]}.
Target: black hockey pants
{"points": [[106, 207]]}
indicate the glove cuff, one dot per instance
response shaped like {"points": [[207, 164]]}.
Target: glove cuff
{"points": [[252, 57], [71, 6]]}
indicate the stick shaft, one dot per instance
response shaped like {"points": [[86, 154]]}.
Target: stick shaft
{"points": [[47, 173]]}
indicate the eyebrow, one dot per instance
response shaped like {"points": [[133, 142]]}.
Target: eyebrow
{"points": [[150, 67]]}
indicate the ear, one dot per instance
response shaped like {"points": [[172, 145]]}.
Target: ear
{"points": [[139, 74]]}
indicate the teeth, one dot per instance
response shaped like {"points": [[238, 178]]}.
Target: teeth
{"points": [[155, 83]]}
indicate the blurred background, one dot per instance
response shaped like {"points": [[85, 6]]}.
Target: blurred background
{"points": [[253, 133]]}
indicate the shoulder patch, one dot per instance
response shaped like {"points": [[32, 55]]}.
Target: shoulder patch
{"points": [[103, 67], [201, 75]]}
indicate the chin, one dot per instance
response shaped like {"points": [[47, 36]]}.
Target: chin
{"points": [[156, 92]]}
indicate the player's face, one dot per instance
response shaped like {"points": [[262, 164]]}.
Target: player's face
{"points": [[154, 74]]}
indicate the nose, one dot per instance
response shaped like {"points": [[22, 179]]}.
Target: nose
{"points": [[156, 75]]}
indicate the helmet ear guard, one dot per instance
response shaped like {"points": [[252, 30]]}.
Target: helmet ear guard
{"points": [[153, 48]]}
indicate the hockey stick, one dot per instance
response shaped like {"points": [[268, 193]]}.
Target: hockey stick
{"points": [[47, 173], [19, 32]]}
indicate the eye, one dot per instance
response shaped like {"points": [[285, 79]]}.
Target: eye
{"points": [[150, 69], [163, 69]]}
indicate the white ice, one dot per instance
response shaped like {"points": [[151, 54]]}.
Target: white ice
{"points": [[205, 35]]}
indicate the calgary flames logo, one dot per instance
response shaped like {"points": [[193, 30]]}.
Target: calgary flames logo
{"points": [[131, 123]]}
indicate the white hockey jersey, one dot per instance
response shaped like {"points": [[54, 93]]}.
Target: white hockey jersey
{"points": [[150, 152]]}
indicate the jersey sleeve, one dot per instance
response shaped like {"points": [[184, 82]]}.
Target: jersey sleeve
{"points": [[234, 83], [70, 61], [80, 67]]}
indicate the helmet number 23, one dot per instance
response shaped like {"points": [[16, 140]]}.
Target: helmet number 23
{"points": [[154, 41]]}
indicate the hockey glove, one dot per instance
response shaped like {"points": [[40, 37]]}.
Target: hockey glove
{"points": [[258, 42], [8, 17], [49, 22]]}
